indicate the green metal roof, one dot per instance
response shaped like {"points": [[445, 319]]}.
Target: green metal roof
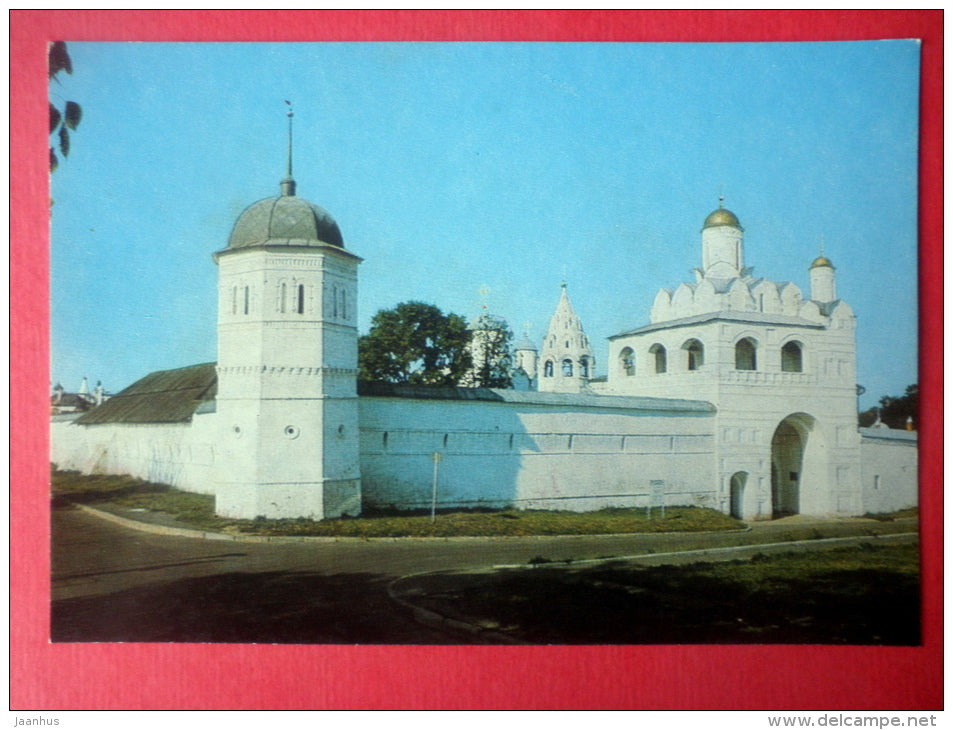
{"points": [[285, 220], [165, 396]]}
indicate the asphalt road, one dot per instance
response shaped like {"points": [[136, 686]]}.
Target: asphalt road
{"points": [[113, 583]]}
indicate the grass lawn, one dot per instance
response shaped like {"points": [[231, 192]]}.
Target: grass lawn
{"points": [[860, 595], [198, 510]]}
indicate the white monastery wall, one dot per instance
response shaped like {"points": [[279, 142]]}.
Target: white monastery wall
{"points": [[181, 455], [495, 454], [492, 455], [889, 461]]}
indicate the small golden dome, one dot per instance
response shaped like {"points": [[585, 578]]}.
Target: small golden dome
{"points": [[822, 261], [721, 217]]}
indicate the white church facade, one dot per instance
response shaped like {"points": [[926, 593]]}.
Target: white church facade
{"points": [[778, 365], [739, 395]]}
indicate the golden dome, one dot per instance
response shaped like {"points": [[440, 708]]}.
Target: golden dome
{"points": [[721, 217], [822, 261]]}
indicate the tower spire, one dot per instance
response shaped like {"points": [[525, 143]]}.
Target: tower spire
{"points": [[288, 184]]}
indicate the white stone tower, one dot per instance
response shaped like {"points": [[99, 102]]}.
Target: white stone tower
{"points": [[287, 363], [722, 249], [567, 362], [823, 284]]}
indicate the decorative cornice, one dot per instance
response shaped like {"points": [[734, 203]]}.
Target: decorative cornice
{"points": [[289, 246]]}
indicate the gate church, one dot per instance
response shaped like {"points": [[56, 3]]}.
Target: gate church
{"points": [[740, 395], [778, 366]]}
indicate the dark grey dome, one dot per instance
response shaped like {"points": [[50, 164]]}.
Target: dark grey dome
{"points": [[286, 220]]}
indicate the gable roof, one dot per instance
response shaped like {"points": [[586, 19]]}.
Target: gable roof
{"points": [[165, 396]]}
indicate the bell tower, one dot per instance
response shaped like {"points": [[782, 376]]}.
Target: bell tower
{"points": [[566, 359], [287, 363], [722, 245], [823, 284]]}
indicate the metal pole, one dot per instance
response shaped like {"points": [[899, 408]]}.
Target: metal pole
{"points": [[433, 498]]}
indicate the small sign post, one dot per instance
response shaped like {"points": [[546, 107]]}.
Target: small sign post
{"points": [[437, 457]]}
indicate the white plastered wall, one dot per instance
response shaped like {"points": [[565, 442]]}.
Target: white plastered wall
{"points": [[181, 455], [889, 464], [530, 456]]}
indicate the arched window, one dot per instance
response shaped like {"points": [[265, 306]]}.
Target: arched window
{"points": [[584, 367], [696, 354], [300, 298], [284, 298], [234, 300], [246, 300], [548, 369], [567, 368], [627, 360], [334, 302], [746, 352], [661, 364], [792, 360]]}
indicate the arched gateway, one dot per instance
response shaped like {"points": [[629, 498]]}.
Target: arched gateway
{"points": [[798, 465]]}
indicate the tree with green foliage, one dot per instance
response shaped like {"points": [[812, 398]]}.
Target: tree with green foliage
{"points": [[61, 122], [415, 343], [895, 410], [490, 348]]}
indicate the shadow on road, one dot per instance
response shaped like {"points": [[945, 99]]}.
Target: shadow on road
{"points": [[267, 607]]}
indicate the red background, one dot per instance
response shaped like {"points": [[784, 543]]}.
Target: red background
{"points": [[46, 676]]}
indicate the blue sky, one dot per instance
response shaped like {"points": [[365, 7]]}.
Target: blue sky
{"points": [[506, 167]]}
